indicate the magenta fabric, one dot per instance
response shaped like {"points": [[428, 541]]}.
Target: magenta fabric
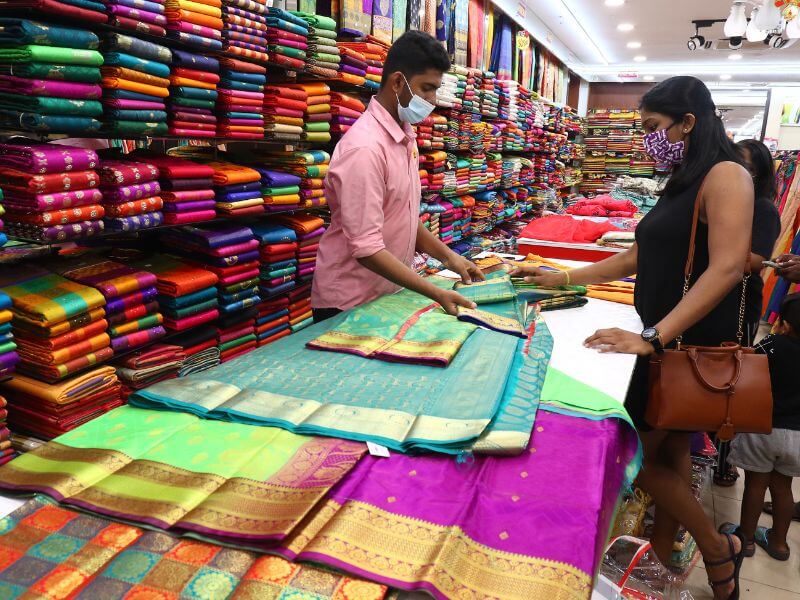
{"points": [[554, 502], [55, 201], [189, 217], [187, 27], [188, 196], [41, 159], [185, 115], [50, 87], [191, 132], [138, 14], [184, 207], [124, 104]]}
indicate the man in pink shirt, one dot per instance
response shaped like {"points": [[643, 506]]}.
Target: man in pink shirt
{"points": [[373, 190]]}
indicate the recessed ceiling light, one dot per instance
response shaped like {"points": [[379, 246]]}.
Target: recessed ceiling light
{"points": [[725, 77], [735, 56], [634, 45], [640, 58], [615, 2], [625, 27], [649, 78]]}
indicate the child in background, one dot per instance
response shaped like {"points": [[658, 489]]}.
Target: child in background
{"points": [[771, 461]]}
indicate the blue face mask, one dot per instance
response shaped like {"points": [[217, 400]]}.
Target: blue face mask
{"points": [[418, 108]]}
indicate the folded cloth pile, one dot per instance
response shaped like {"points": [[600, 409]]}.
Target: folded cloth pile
{"points": [[231, 253], [187, 188], [135, 85], [300, 314], [309, 230], [284, 109], [3, 236], [353, 65], [318, 116], [7, 452], [193, 94], [187, 294], [76, 10], [236, 333], [49, 78], [603, 206], [245, 31], [131, 195], [272, 322], [49, 410], [51, 191], [288, 39], [374, 52], [196, 24], [241, 96], [148, 366], [132, 311], [142, 16], [199, 345], [58, 326], [346, 110], [311, 166], [280, 190], [8, 349], [322, 54], [278, 258]]}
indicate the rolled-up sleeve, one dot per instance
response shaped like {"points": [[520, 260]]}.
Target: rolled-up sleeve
{"points": [[359, 181]]}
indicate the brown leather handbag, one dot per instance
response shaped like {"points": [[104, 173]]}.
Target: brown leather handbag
{"points": [[725, 389]]}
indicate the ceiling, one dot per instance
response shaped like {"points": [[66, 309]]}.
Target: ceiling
{"points": [[596, 50]]}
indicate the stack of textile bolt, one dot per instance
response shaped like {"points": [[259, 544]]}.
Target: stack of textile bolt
{"points": [[237, 189], [241, 95], [236, 333], [283, 109], [146, 367], [196, 24], [353, 66], [278, 259], [8, 349], [193, 94], [3, 236], [288, 39], [309, 230], [47, 185], [317, 117], [200, 348], [374, 53], [346, 110], [58, 325], [300, 314], [49, 77], [130, 195], [7, 452], [322, 54], [310, 166], [46, 411], [186, 188], [143, 16], [131, 308], [245, 32], [135, 85], [281, 191]]}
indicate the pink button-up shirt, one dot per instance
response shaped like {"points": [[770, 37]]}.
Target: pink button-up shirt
{"points": [[373, 190]]}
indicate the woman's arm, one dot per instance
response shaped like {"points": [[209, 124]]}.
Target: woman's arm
{"points": [[611, 269], [728, 210]]}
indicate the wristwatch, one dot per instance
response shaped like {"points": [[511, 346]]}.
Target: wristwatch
{"points": [[652, 336]]}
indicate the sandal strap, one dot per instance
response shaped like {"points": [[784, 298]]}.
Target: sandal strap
{"points": [[725, 581], [731, 557]]}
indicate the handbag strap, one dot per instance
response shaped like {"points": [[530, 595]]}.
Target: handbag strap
{"points": [[687, 271]]}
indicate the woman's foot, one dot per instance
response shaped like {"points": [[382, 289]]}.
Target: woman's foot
{"points": [[765, 538], [723, 567], [749, 546]]}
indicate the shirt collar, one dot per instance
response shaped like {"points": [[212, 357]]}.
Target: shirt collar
{"points": [[382, 116]]}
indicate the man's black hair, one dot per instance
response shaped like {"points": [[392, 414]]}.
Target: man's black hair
{"points": [[413, 53], [790, 312]]}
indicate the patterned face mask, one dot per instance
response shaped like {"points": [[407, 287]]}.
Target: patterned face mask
{"points": [[661, 150]]}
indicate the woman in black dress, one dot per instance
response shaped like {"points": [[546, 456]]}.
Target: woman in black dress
{"points": [[683, 128]]}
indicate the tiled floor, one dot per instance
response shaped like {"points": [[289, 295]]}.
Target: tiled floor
{"points": [[762, 577]]}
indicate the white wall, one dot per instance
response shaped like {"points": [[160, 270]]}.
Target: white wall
{"points": [[781, 95]]}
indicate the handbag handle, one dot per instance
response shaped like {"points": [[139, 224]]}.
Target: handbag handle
{"points": [[687, 271], [728, 387]]}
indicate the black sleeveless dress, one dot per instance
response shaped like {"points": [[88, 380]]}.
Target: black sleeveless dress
{"points": [[662, 239]]}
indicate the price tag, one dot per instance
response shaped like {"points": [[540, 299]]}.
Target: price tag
{"points": [[377, 450]]}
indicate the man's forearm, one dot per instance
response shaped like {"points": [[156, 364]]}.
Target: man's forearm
{"points": [[387, 266], [431, 245]]}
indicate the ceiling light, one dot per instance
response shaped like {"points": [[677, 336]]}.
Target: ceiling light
{"points": [[649, 78], [735, 56], [615, 2], [639, 58], [625, 27], [753, 33], [634, 45], [736, 24], [725, 77]]}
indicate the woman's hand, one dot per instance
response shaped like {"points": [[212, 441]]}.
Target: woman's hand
{"points": [[619, 341], [540, 277]]}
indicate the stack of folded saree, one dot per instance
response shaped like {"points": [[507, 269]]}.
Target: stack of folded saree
{"points": [[193, 94], [7, 452], [278, 258], [187, 188], [353, 66], [197, 24], [284, 109], [49, 410], [132, 311], [143, 16], [49, 77], [8, 348], [309, 230], [240, 80], [199, 345], [272, 322], [288, 39], [59, 326], [317, 117], [236, 333], [245, 28], [300, 314], [346, 110], [281, 191], [131, 195], [3, 236], [311, 166], [143, 368], [51, 191], [135, 85], [187, 294], [237, 189], [322, 55]]}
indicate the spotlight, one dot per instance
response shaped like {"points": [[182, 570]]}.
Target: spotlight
{"points": [[735, 43], [696, 42], [775, 40]]}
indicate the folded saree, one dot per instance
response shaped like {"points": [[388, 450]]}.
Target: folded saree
{"points": [[37, 70], [115, 83], [50, 88], [119, 173], [53, 373], [135, 76], [59, 8], [132, 313], [30, 184], [58, 217], [62, 341], [111, 278], [51, 299], [129, 61], [32, 53], [126, 193], [137, 14], [30, 353], [135, 222], [72, 390], [24, 31], [135, 47]]}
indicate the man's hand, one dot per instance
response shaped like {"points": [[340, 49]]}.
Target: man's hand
{"points": [[789, 267], [450, 301], [468, 270]]}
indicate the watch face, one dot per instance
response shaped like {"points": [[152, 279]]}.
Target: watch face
{"points": [[649, 334]]}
